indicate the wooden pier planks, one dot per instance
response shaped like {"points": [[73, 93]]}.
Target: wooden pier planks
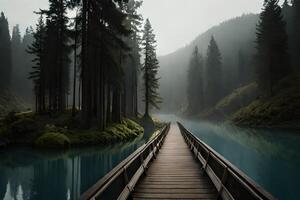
{"points": [[175, 174]]}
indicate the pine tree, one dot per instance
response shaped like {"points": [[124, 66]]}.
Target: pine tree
{"points": [[150, 69], [213, 74], [27, 84], [132, 61], [296, 33], [101, 32], [17, 63], [272, 44], [195, 83], [38, 73], [57, 50], [76, 45], [5, 54]]}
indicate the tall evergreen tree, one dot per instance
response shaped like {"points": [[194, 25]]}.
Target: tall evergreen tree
{"points": [[195, 83], [5, 53], [150, 69], [272, 44], [17, 63], [27, 85], [213, 74], [296, 33], [57, 50], [132, 61], [102, 28], [38, 73]]}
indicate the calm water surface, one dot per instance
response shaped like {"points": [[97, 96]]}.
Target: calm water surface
{"points": [[270, 157], [27, 174]]}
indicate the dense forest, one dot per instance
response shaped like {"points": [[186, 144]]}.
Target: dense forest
{"points": [[242, 67], [88, 70], [90, 62]]}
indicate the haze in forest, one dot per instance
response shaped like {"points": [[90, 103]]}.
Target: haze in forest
{"points": [[176, 22]]}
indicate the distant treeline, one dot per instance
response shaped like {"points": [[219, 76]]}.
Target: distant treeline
{"points": [[250, 48], [272, 61], [15, 62], [90, 62]]}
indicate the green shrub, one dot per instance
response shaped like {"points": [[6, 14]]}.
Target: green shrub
{"points": [[138, 129], [23, 127], [53, 140]]}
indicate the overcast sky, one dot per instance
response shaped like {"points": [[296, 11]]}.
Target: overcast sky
{"points": [[176, 22]]}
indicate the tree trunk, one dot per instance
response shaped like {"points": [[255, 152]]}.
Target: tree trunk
{"points": [[75, 70], [116, 106]]}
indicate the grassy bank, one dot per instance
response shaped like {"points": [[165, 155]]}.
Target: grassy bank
{"points": [[238, 99], [61, 131], [280, 110], [244, 107]]}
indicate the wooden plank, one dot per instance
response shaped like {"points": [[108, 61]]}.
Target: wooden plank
{"points": [[177, 186], [137, 198], [176, 190], [175, 173], [175, 196]]}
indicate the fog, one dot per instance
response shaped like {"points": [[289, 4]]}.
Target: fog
{"points": [[180, 26], [176, 22]]}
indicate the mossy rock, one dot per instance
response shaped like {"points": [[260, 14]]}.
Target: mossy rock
{"points": [[53, 141], [23, 127]]}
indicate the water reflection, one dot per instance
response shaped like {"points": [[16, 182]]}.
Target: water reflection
{"points": [[26, 174]]}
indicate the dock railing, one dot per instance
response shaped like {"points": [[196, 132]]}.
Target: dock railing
{"points": [[120, 182], [230, 182]]}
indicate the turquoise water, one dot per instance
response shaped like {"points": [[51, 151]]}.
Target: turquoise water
{"points": [[27, 174], [269, 157]]}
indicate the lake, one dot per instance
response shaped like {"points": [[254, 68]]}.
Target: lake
{"points": [[269, 157]]}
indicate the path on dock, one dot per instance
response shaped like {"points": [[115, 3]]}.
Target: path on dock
{"points": [[175, 174]]}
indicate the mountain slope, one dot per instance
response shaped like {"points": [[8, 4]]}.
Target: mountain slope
{"points": [[231, 36]]}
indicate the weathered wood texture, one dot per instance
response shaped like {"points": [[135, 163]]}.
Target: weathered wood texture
{"points": [[175, 173]]}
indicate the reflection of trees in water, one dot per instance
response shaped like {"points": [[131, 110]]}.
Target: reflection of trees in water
{"points": [[16, 182], [3, 182], [49, 180], [94, 166], [50, 175]]}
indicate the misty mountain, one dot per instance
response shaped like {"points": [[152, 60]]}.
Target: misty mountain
{"points": [[232, 36]]}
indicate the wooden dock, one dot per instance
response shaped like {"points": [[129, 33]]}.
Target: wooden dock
{"points": [[175, 174], [175, 164]]}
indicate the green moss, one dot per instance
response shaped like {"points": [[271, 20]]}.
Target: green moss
{"points": [[53, 140], [280, 109], [47, 132], [127, 130], [133, 126], [239, 98]]}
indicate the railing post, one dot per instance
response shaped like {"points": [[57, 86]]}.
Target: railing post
{"points": [[197, 152], [206, 163], [153, 150], [223, 180], [126, 180], [142, 163]]}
